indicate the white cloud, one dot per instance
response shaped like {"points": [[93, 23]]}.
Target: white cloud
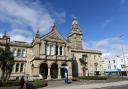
{"points": [[21, 14], [1, 34], [85, 45], [21, 35], [105, 54], [110, 46], [22, 38], [106, 22], [106, 42]]}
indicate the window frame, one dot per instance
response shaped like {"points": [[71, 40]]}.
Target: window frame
{"points": [[61, 50], [19, 51], [17, 67], [57, 50], [22, 67], [24, 53]]}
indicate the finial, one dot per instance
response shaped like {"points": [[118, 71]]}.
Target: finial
{"points": [[54, 27], [75, 24], [37, 34], [5, 33], [37, 31], [74, 21]]}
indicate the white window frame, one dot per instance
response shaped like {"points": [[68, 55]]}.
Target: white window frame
{"points": [[62, 50], [14, 52], [48, 49], [52, 50], [23, 53], [19, 52]]}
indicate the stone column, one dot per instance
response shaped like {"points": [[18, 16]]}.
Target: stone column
{"points": [[24, 67], [49, 76], [14, 68], [19, 67], [54, 49], [59, 75], [69, 70], [63, 50], [58, 49]]}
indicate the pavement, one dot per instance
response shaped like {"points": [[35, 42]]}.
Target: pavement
{"points": [[84, 85], [88, 84], [116, 87]]}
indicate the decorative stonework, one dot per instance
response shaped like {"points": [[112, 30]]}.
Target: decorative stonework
{"points": [[36, 54], [75, 36]]}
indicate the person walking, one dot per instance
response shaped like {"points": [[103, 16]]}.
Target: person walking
{"points": [[22, 83]]}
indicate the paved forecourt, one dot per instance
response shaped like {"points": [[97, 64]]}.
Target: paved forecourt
{"points": [[89, 86]]}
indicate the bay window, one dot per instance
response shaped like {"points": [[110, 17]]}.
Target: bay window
{"points": [[54, 50]]}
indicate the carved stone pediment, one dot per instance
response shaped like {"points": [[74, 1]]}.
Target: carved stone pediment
{"points": [[54, 36]]}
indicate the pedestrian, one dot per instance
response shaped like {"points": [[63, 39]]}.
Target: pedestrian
{"points": [[22, 83]]}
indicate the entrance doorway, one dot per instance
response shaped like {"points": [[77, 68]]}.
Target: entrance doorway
{"points": [[54, 71], [62, 70], [44, 70], [97, 73]]}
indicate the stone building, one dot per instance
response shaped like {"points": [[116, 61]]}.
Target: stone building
{"points": [[116, 65], [47, 56]]}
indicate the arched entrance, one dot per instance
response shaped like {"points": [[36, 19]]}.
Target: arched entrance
{"points": [[54, 71], [84, 71], [62, 70], [44, 70]]}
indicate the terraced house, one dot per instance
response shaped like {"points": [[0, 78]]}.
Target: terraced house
{"points": [[47, 55]]}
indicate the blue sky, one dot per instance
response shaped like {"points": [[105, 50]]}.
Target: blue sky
{"points": [[101, 21]]}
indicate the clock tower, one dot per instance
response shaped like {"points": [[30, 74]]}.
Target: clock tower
{"points": [[75, 36]]}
